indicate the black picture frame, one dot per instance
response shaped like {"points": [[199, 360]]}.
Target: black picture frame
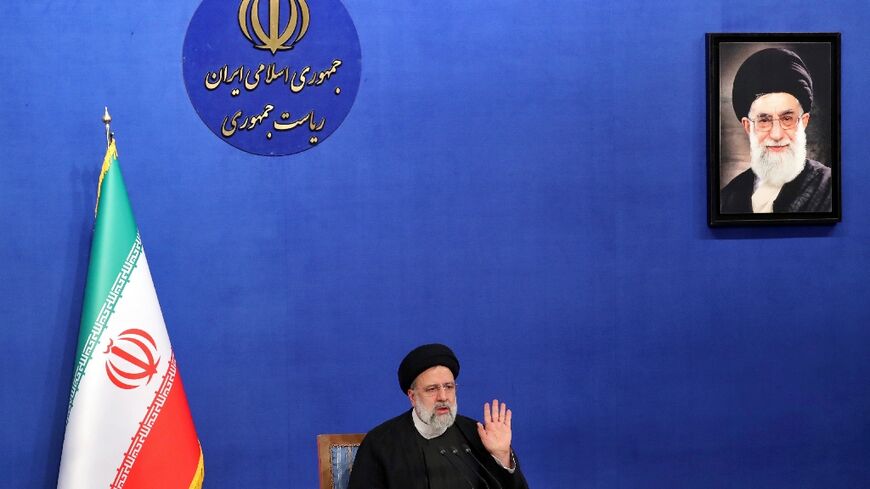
{"points": [[728, 136]]}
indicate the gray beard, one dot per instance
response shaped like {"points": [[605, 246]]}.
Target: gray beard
{"points": [[779, 168], [436, 425]]}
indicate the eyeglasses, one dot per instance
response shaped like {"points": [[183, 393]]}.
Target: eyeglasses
{"points": [[764, 123], [432, 390]]}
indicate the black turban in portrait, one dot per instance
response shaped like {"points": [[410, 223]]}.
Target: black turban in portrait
{"points": [[770, 71], [423, 358]]}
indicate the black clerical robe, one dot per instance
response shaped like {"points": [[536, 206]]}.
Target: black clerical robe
{"points": [[810, 191], [392, 457]]}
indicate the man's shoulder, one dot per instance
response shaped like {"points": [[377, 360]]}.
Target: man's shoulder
{"points": [[398, 423], [743, 180], [810, 191], [736, 196], [465, 421], [818, 169], [815, 177]]}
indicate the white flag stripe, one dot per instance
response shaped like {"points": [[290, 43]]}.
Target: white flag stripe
{"points": [[105, 417], [106, 312]]}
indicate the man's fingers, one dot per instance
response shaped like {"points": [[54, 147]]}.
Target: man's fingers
{"points": [[498, 414]]}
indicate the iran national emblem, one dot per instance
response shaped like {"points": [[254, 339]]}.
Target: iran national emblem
{"points": [[277, 37], [132, 359]]}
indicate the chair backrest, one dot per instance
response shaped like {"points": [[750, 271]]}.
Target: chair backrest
{"points": [[335, 454]]}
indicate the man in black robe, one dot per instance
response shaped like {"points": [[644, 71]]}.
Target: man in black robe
{"points": [[430, 446], [773, 96]]}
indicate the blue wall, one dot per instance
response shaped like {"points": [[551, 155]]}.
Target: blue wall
{"points": [[524, 181]]}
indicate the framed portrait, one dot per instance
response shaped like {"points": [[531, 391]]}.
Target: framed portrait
{"points": [[773, 128]]}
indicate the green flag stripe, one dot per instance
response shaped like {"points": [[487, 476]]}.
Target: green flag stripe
{"points": [[114, 234], [99, 325], [115, 248]]}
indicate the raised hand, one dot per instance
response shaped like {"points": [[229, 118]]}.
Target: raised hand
{"points": [[495, 432]]}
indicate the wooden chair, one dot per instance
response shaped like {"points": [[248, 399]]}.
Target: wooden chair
{"points": [[335, 454]]}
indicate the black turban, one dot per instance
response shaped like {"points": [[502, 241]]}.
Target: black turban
{"points": [[424, 357], [770, 71]]}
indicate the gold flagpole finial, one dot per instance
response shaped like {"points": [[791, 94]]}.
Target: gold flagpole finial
{"points": [[107, 120]]}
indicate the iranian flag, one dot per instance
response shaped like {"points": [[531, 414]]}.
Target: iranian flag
{"points": [[128, 423]]}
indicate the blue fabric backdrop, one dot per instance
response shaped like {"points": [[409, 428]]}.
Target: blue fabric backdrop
{"points": [[523, 181]]}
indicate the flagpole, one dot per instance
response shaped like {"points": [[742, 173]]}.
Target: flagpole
{"points": [[110, 138], [107, 120], [114, 436]]}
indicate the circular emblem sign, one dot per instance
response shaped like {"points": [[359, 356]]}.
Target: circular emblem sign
{"points": [[272, 77]]}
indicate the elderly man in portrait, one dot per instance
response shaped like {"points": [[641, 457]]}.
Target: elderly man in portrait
{"points": [[430, 446], [773, 97]]}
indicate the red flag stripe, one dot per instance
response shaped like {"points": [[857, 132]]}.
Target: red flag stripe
{"points": [[165, 452]]}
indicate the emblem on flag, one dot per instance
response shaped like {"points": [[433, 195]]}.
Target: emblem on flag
{"points": [[131, 359]]}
